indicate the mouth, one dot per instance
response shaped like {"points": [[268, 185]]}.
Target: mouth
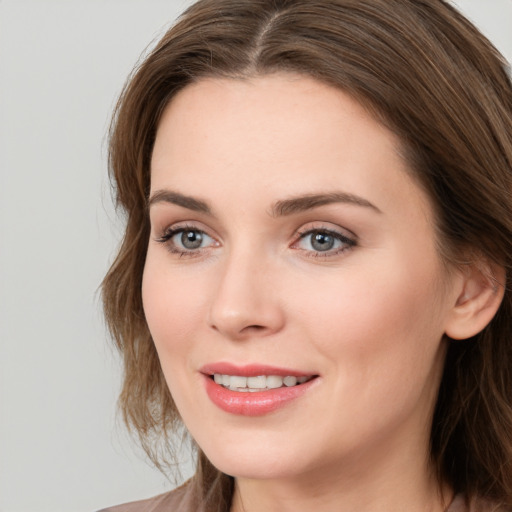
{"points": [[255, 390], [258, 383]]}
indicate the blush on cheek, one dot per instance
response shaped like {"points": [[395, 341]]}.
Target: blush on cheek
{"points": [[172, 307]]}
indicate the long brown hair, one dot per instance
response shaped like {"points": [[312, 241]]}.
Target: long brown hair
{"points": [[431, 77]]}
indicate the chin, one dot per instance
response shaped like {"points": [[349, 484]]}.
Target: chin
{"points": [[255, 469], [256, 460]]}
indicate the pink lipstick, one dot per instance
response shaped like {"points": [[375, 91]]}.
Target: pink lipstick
{"points": [[254, 390]]}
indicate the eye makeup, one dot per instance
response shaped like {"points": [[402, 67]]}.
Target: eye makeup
{"points": [[189, 240]]}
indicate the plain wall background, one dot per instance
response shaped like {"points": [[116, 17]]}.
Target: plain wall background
{"points": [[62, 65]]}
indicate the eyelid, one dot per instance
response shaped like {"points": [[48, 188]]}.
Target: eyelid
{"points": [[169, 232], [345, 236], [192, 225]]}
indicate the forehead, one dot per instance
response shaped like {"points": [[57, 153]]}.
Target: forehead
{"points": [[266, 104], [287, 133]]}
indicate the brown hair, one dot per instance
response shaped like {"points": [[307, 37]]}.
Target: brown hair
{"points": [[431, 77]]}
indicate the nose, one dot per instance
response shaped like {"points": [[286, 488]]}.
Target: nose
{"points": [[245, 304]]}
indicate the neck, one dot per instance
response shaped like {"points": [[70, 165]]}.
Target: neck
{"points": [[366, 488]]}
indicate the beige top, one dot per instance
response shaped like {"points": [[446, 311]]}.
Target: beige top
{"points": [[180, 500]]}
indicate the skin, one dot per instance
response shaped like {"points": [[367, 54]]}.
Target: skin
{"points": [[367, 317]]}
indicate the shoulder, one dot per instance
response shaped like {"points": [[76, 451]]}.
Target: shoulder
{"points": [[179, 500], [463, 504]]}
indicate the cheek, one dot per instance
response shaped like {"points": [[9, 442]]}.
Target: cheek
{"points": [[370, 300], [380, 335], [173, 305], [173, 308], [385, 322]]}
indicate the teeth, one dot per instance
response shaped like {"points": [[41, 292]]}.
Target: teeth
{"points": [[259, 383], [290, 381], [274, 381], [237, 382]]}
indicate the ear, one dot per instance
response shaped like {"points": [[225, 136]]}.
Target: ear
{"points": [[481, 291]]}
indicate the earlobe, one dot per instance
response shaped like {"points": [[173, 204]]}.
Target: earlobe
{"points": [[481, 292]]}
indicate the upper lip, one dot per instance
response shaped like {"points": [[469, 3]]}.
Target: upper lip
{"points": [[251, 370]]}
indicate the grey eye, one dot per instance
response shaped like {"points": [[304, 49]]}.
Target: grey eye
{"points": [[322, 241], [187, 241], [191, 239]]}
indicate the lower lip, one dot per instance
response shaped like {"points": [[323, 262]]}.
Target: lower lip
{"points": [[256, 403]]}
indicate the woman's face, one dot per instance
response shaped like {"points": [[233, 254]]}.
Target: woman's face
{"points": [[292, 253]]}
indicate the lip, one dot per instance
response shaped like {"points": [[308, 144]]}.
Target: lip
{"points": [[256, 403], [250, 370]]}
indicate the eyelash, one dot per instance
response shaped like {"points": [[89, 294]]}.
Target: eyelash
{"points": [[169, 233], [346, 242]]}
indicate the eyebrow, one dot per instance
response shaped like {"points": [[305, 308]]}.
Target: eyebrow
{"points": [[307, 202], [191, 203], [281, 208]]}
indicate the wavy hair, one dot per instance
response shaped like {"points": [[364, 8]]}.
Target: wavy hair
{"points": [[425, 72]]}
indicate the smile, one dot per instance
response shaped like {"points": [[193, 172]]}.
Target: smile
{"points": [[257, 383], [255, 390]]}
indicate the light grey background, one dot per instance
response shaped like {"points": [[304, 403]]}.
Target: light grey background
{"points": [[62, 64]]}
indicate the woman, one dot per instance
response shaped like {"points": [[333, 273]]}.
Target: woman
{"points": [[314, 275]]}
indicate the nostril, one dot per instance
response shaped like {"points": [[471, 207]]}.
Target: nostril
{"points": [[254, 328], [247, 318]]}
